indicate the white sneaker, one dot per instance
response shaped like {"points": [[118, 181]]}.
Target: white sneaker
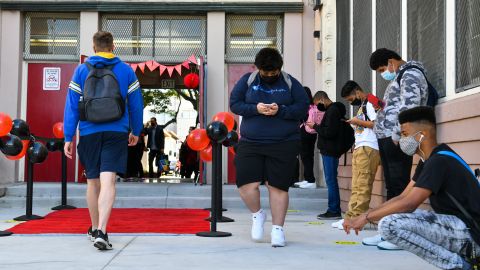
{"points": [[297, 184], [385, 245], [308, 185], [338, 224], [278, 236], [258, 220], [372, 241]]}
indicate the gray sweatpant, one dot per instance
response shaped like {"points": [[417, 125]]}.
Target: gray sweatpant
{"points": [[438, 239]]}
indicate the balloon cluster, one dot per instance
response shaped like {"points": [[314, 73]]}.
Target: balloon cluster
{"points": [[222, 130], [16, 141]]}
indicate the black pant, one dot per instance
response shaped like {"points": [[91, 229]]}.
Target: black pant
{"points": [[153, 155], [397, 167], [307, 155]]}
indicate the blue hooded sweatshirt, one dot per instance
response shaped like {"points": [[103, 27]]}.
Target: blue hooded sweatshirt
{"points": [[285, 125], [130, 91]]}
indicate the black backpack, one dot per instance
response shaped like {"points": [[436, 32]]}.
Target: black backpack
{"points": [[347, 135], [433, 96], [101, 100]]}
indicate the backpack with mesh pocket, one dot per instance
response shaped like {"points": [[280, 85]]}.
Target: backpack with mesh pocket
{"points": [[101, 101]]}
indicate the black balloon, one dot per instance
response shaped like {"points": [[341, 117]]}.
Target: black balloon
{"points": [[235, 125], [217, 131], [52, 146], [11, 145], [20, 128], [232, 139], [37, 153], [60, 144]]}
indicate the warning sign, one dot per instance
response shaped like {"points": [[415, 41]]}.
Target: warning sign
{"points": [[51, 78]]}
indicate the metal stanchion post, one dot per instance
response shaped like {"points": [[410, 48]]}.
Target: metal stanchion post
{"points": [[64, 204], [29, 203]]}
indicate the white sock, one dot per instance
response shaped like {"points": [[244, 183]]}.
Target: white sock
{"points": [[258, 213], [276, 227]]}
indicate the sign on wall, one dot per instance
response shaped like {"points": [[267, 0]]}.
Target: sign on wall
{"points": [[51, 78]]}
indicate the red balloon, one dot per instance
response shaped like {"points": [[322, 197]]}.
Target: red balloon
{"points": [[231, 150], [226, 118], [206, 154], [6, 124], [198, 139], [25, 143], [58, 130], [191, 81]]}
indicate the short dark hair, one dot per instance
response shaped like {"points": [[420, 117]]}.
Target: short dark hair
{"points": [[421, 114], [321, 95], [309, 94], [381, 56], [103, 40], [154, 118], [349, 88], [268, 59]]}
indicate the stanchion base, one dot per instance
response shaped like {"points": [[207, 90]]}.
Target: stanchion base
{"points": [[210, 209], [27, 218], [214, 234], [63, 207], [5, 233], [222, 219]]}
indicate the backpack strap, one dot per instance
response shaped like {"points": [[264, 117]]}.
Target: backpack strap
{"points": [[459, 159], [285, 75], [364, 110], [400, 74]]}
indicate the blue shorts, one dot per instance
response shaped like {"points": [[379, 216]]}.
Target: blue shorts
{"points": [[103, 152]]}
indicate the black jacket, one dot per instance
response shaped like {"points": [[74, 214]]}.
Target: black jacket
{"points": [[329, 140], [159, 137]]}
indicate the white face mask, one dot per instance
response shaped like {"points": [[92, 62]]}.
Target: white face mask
{"points": [[409, 144]]}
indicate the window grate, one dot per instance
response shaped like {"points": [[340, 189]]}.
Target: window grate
{"points": [[426, 38], [247, 34], [167, 39], [389, 33], [51, 36], [468, 44], [362, 43]]}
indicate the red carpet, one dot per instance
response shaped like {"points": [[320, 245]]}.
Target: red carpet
{"points": [[122, 220]]}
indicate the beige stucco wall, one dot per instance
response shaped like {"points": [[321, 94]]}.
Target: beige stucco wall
{"points": [[10, 79]]}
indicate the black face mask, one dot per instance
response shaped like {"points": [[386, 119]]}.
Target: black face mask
{"points": [[270, 79], [356, 102], [321, 107]]}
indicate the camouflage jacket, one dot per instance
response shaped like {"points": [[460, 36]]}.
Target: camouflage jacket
{"points": [[412, 92]]}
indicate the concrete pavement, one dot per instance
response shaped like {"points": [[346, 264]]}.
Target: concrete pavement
{"points": [[311, 245]]}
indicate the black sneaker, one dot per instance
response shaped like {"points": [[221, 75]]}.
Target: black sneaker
{"points": [[101, 241], [92, 234], [330, 215]]}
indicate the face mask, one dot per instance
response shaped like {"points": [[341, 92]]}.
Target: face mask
{"points": [[409, 144], [387, 75], [270, 79], [356, 102], [321, 107]]}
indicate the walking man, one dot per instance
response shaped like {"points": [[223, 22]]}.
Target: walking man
{"points": [[156, 145], [96, 103]]}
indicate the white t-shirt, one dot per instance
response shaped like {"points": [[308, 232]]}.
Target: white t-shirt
{"points": [[365, 136]]}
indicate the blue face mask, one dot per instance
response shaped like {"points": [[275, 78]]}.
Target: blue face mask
{"points": [[387, 75]]}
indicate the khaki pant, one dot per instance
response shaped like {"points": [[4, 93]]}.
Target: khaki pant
{"points": [[365, 162]]}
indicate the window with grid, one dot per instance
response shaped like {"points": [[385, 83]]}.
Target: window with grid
{"points": [[247, 34], [389, 33], [362, 43], [468, 44], [426, 38], [51, 36], [343, 48], [167, 39]]}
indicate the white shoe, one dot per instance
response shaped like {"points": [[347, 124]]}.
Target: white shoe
{"points": [[308, 185], [297, 184], [338, 224], [385, 245], [372, 241], [278, 237], [258, 220]]}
